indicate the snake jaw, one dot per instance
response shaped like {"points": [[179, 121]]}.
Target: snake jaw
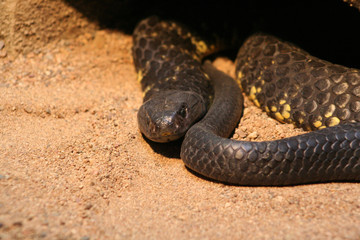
{"points": [[166, 117]]}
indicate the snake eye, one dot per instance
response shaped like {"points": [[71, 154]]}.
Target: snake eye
{"points": [[183, 111]]}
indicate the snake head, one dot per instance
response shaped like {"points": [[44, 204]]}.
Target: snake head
{"points": [[167, 116]]}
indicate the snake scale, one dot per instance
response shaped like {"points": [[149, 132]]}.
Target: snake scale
{"points": [[284, 80]]}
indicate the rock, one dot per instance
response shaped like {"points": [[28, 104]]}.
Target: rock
{"points": [[3, 53], [253, 135], [2, 44]]}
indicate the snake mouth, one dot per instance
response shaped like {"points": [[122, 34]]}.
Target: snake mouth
{"points": [[166, 134], [168, 137]]}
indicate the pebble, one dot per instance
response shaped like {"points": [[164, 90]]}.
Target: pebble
{"points": [[18, 224], [3, 53], [85, 238], [28, 109], [88, 206], [2, 44], [48, 72], [49, 56], [253, 135], [241, 134], [279, 199]]}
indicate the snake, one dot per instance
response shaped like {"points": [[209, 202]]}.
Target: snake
{"points": [[184, 97]]}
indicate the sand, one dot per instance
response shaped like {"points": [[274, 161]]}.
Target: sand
{"points": [[73, 164]]}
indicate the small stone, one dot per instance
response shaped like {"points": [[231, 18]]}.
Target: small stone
{"points": [[253, 135], [48, 72], [88, 206], [85, 238], [2, 44], [18, 224], [31, 75], [28, 109], [241, 134], [3, 53], [279, 199], [49, 56]]}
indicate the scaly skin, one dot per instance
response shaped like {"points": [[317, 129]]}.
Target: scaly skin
{"points": [[294, 87], [287, 82], [330, 154]]}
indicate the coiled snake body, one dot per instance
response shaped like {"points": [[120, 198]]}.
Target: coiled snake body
{"points": [[285, 81]]}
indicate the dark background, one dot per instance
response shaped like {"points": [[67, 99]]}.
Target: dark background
{"points": [[328, 29]]}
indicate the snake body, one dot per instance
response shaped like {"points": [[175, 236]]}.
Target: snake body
{"points": [[287, 82], [167, 58]]}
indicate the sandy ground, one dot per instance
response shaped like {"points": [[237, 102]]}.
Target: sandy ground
{"points": [[73, 164]]}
